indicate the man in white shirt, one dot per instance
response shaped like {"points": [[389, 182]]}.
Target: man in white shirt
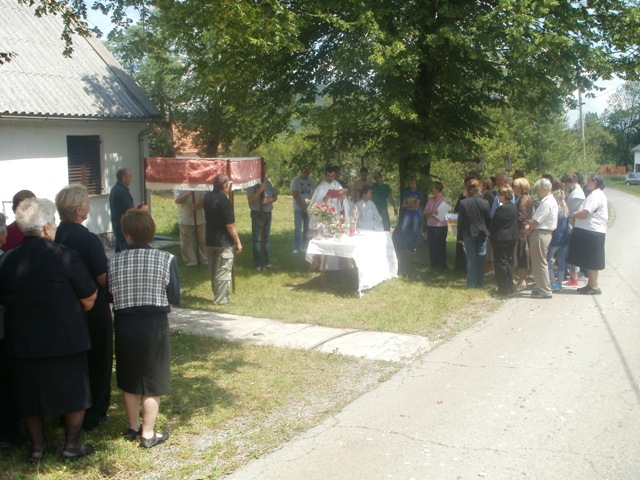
{"points": [[368, 216], [540, 229], [302, 188], [331, 193]]}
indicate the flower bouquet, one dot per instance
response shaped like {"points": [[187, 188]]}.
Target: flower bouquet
{"points": [[328, 221]]}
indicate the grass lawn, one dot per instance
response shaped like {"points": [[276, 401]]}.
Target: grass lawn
{"points": [[234, 402], [419, 301], [617, 182]]}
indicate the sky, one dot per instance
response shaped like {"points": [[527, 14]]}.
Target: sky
{"points": [[599, 103]]}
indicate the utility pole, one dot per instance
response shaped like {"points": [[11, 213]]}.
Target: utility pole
{"points": [[584, 142]]}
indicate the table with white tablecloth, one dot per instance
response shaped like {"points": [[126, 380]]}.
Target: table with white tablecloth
{"points": [[372, 252]]}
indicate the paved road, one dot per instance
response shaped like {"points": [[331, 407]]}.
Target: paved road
{"points": [[544, 389]]}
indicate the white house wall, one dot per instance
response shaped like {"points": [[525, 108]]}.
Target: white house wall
{"points": [[33, 156]]}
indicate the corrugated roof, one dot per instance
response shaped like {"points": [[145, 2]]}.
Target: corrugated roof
{"points": [[40, 81]]}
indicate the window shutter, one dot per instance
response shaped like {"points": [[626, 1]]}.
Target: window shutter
{"points": [[83, 154]]}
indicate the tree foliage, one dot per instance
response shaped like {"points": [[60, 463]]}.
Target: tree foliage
{"points": [[622, 118], [408, 81]]}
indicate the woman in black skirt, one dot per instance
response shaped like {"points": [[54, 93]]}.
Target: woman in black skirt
{"points": [[45, 289], [586, 249], [72, 203], [144, 283]]}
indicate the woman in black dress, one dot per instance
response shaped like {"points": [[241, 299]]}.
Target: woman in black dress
{"points": [[72, 203], [45, 289], [504, 233], [144, 283]]}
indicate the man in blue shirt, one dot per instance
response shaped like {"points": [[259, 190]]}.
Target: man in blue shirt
{"points": [[412, 200], [261, 198], [120, 201]]}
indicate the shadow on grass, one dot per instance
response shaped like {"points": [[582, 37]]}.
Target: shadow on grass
{"points": [[343, 283], [292, 271], [197, 361]]}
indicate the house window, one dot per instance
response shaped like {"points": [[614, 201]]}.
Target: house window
{"points": [[83, 153]]}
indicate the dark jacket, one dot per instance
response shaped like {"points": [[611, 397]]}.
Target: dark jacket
{"points": [[473, 216], [41, 283], [504, 224]]}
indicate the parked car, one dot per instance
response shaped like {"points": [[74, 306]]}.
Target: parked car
{"points": [[632, 179]]}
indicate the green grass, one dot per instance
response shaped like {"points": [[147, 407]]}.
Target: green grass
{"points": [[419, 301], [230, 403], [234, 402], [617, 182]]}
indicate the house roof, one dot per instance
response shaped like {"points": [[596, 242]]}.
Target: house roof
{"points": [[39, 81], [636, 148]]}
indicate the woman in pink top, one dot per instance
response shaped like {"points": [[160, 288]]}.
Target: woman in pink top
{"points": [[436, 214]]}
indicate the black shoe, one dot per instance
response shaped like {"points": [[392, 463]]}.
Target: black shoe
{"points": [[76, 453], [132, 434], [155, 440], [594, 291], [586, 290]]}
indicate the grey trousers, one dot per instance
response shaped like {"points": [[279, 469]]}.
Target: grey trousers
{"points": [[539, 244], [220, 264]]}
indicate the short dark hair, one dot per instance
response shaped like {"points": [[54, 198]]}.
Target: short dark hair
{"points": [[439, 186], [473, 186], [596, 177], [365, 189], [139, 226], [329, 169], [569, 177], [219, 181], [20, 196]]}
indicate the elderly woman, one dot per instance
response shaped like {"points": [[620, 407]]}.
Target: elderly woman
{"points": [[524, 205], [473, 226], [73, 207], [45, 289], [589, 230], [504, 233], [540, 230], [144, 283]]}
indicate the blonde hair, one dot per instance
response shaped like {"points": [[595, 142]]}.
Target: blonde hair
{"points": [[523, 185], [69, 199], [559, 196]]}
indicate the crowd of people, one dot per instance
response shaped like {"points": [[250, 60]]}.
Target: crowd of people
{"points": [[62, 301], [553, 238], [58, 291], [501, 228]]}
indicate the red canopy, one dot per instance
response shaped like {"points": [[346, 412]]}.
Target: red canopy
{"points": [[197, 173]]}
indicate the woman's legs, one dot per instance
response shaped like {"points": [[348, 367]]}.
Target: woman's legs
{"points": [[72, 429], [132, 406], [35, 427], [593, 278], [150, 408]]}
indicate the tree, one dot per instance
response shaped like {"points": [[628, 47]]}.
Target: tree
{"points": [[413, 80], [623, 120]]}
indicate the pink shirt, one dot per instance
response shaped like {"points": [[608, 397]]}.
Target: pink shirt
{"points": [[432, 204]]}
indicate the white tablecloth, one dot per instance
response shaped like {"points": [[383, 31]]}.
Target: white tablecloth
{"points": [[372, 252]]}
